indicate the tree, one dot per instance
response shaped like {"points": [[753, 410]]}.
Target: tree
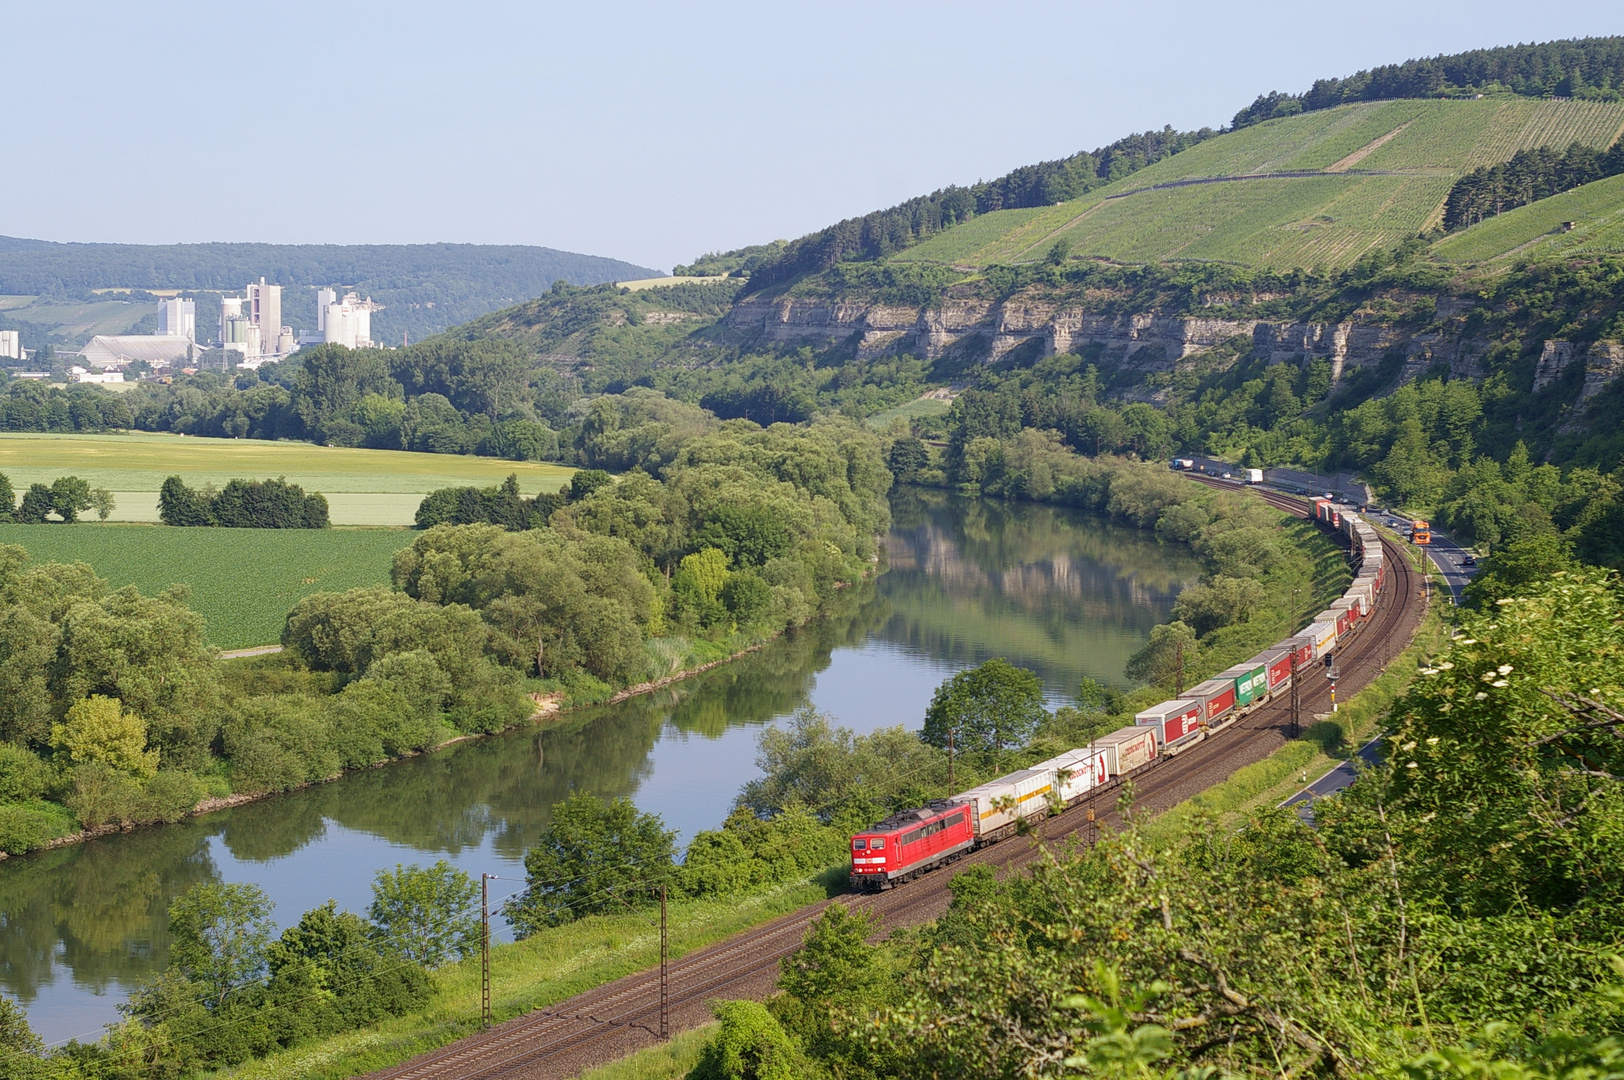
{"points": [[988, 707], [749, 1044], [70, 495], [102, 501], [180, 505], [425, 915], [595, 856], [36, 506], [100, 729], [1166, 658], [8, 498], [908, 455], [220, 933], [1521, 565]]}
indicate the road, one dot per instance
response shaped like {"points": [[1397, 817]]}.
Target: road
{"points": [[1445, 554], [1335, 780], [607, 1023]]}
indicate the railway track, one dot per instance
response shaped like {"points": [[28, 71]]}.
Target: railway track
{"points": [[611, 1021]]}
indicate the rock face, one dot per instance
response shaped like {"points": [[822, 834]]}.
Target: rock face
{"points": [[1144, 342], [1603, 360]]}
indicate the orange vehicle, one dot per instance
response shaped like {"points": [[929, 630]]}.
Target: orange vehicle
{"points": [[1420, 532]]}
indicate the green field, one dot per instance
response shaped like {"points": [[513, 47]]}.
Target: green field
{"points": [[243, 581], [363, 487], [1386, 168], [1535, 230]]}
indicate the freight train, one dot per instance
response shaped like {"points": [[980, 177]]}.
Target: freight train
{"points": [[912, 842]]}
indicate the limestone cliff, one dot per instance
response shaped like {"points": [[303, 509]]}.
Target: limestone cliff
{"points": [[1146, 342]]}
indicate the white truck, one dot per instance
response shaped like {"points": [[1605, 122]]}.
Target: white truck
{"points": [[1254, 476]]}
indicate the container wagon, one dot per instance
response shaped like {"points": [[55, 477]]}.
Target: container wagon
{"points": [[1076, 772], [1177, 724], [1217, 698], [1126, 749]]}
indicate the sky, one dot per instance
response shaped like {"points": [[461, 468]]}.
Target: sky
{"points": [[647, 132]]}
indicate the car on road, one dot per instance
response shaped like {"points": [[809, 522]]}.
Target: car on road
{"points": [[1469, 560]]}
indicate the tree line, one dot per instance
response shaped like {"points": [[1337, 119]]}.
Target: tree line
{"points": [[1591, 68], [242, 504], [1528, 176]]}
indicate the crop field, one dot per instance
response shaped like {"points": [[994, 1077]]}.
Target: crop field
{"points": [[963, 243], [363, 487], [1326, 222], [1534, 231], [243, 581], [1288, 222]]}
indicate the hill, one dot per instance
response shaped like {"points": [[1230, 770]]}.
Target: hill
{"points": [[1537, 231], [425, 288], [1316, 189]]}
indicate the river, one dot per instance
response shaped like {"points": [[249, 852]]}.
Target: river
{"points": [[1064, 594]]}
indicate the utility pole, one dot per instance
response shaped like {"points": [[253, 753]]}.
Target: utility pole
{"points": [[1178, 662], [950, 761], [485, 950], [1296, 698], [665, 955]]}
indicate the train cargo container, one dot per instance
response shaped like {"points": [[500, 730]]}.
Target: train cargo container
{"points": [[1000, 803], [1322, 511], [1323, 635], [1173, 721], [1217, 697], [1347, 615], [1127, 748], [1251, 682], [911, 842], [1277, 665], [1076, 772]]}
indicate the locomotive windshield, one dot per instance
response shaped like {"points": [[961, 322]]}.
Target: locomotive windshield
{"points": [[859, 844], [879, 842]]}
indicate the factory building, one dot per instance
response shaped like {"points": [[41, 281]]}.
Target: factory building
{"points": [[251, 325], [178, 318], [346, 322], [116, 350], [11, 346]]}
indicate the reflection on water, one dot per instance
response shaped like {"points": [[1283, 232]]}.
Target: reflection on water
{"points": [[1063, 594]]}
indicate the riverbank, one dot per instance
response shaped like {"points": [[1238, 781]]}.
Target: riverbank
{"points": [[549, 705]]}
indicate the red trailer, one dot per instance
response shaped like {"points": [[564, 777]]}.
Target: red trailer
{"points": [[907, 844], [1172, 721], [1217, 698]]}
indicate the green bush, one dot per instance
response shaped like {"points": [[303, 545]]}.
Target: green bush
{"points": [[275, 743], [750, 1045], [28, 825], [23, 776]]}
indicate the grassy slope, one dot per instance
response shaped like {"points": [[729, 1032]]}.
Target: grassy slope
{"points": [[243, 581], [1327, 220], [1532, 231]]}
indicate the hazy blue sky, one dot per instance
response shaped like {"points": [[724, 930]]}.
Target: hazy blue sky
{"points": [[650, 132]]}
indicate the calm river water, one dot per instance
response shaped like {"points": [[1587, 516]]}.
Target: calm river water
{"points": [[1064, 594]]}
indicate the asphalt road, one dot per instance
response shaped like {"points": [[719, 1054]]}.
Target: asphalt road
{"points": [[1445, 554], [1335, 780]]}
